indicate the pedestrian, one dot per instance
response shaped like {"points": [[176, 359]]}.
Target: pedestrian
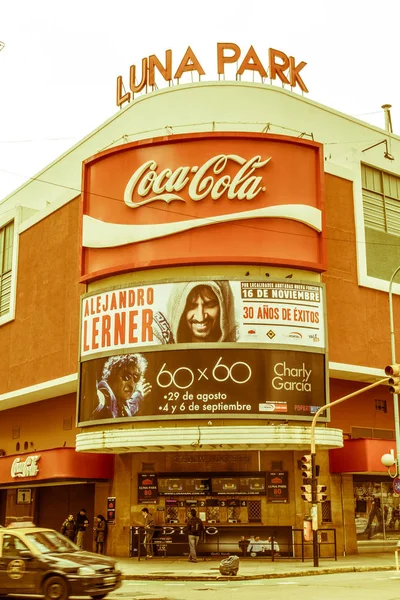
{"points": [[375, 519], [100, 533], [82, 523], [194, 529], [148, 532], [68, 528], [243, 544]]}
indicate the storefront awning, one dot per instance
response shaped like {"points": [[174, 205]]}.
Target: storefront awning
{"points": [[360, 456], [60, 464], [209, 437]]}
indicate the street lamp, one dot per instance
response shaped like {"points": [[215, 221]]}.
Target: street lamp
{"points": [[385, 459], [314, 479]]}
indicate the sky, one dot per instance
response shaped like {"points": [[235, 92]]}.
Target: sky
{"points": [[60, 60]]}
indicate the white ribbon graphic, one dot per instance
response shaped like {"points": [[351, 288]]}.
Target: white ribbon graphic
{"points": [[99, 234]]}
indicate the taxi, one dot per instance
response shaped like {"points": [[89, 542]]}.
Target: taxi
{"points": [[36, 560]]}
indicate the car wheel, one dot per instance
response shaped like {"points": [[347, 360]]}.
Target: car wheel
{"points": [[99, 597], [55, 588]]}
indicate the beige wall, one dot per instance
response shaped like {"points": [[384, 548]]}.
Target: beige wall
{"points": [[128, 513], [41, 425], [42, 342]]}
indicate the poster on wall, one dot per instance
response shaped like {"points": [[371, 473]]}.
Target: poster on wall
{"points": [[202, 383], [203, 198], [111, 504], [277, 487], [24, 495], [147, 488], [204, 311], [251, 485]]}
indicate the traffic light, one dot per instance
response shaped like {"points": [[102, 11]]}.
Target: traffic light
{"points": [[306, 466], [321, 496], [393, 370], [394, 379], [307, 494]]}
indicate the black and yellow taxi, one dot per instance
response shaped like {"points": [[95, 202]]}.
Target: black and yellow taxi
{"points": [[36, 560]]}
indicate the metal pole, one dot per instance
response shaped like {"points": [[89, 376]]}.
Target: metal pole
{"points": [[393, 354], [314, 493], [314, 509]]}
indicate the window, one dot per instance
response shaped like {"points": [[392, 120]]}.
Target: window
{"points": [[6, 255], [381, 206], [381, 200], [12, 545], [254, 511], [326, 511], [381, 405]]}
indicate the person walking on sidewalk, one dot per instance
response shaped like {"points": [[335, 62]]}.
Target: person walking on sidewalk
{"points": [[148, 532], [194, 529]]}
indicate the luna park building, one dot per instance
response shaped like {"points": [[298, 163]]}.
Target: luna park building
{"points": [[180, 292]]}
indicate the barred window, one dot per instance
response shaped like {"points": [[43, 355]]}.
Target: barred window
{"points": [[381, 405], [326, 511], [254, 511], [6, 255]]}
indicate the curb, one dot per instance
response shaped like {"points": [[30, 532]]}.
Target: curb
{"points": [[194, 577]]}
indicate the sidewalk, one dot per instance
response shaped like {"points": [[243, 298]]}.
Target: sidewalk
{"points": [[179, 569]]}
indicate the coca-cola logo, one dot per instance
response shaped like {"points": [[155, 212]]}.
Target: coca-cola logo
{"points": [[25, 468], [148, 184], [208, 179]]}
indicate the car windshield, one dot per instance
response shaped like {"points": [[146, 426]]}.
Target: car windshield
{"points": [[51, 541]]}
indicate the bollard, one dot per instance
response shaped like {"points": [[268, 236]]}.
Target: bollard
{"points": [[396, 555]]}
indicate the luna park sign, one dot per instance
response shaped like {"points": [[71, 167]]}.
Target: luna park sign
{"points": [[278, 66]]}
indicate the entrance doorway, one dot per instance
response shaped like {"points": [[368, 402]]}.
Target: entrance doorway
{"points": [[55, 503]]}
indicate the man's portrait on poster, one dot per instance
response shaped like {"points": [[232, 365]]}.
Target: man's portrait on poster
{"points": [[122, 388], [197, 312]]}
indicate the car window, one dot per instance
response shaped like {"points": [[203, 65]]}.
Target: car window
{"points": [[12, 545], [51, 541]]}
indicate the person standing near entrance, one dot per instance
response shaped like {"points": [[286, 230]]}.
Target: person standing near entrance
{"points": [[100, 533], [194, 529], [148, 532], [82, 523], [68, 528]]}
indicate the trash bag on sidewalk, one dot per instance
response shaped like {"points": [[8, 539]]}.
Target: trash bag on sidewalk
{"points": [[229, 566]]}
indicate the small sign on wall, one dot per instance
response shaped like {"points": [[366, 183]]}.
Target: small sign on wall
{"points": [[24, 495], [277, 487], [111, 502]]}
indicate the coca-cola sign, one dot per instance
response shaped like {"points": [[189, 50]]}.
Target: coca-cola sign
{"points": [[200, 181], [25, 468], [202, 199]]}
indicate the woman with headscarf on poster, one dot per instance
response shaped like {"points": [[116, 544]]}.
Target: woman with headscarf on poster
{"points": [[122, 388], [197, 311]]}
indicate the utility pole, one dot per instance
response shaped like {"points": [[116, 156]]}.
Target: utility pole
{"points": [[314, 508], [314, 480]]}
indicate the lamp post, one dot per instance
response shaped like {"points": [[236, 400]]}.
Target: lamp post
{"points": [[396, 461], [314, 480]]}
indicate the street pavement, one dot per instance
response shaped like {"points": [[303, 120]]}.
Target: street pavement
{"points": [[179, 569]]}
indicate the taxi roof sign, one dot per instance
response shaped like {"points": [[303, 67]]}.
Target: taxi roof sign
{"points": [[20, 524]]}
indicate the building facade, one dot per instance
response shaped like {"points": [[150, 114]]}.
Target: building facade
{"points": [[179, 294]]}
